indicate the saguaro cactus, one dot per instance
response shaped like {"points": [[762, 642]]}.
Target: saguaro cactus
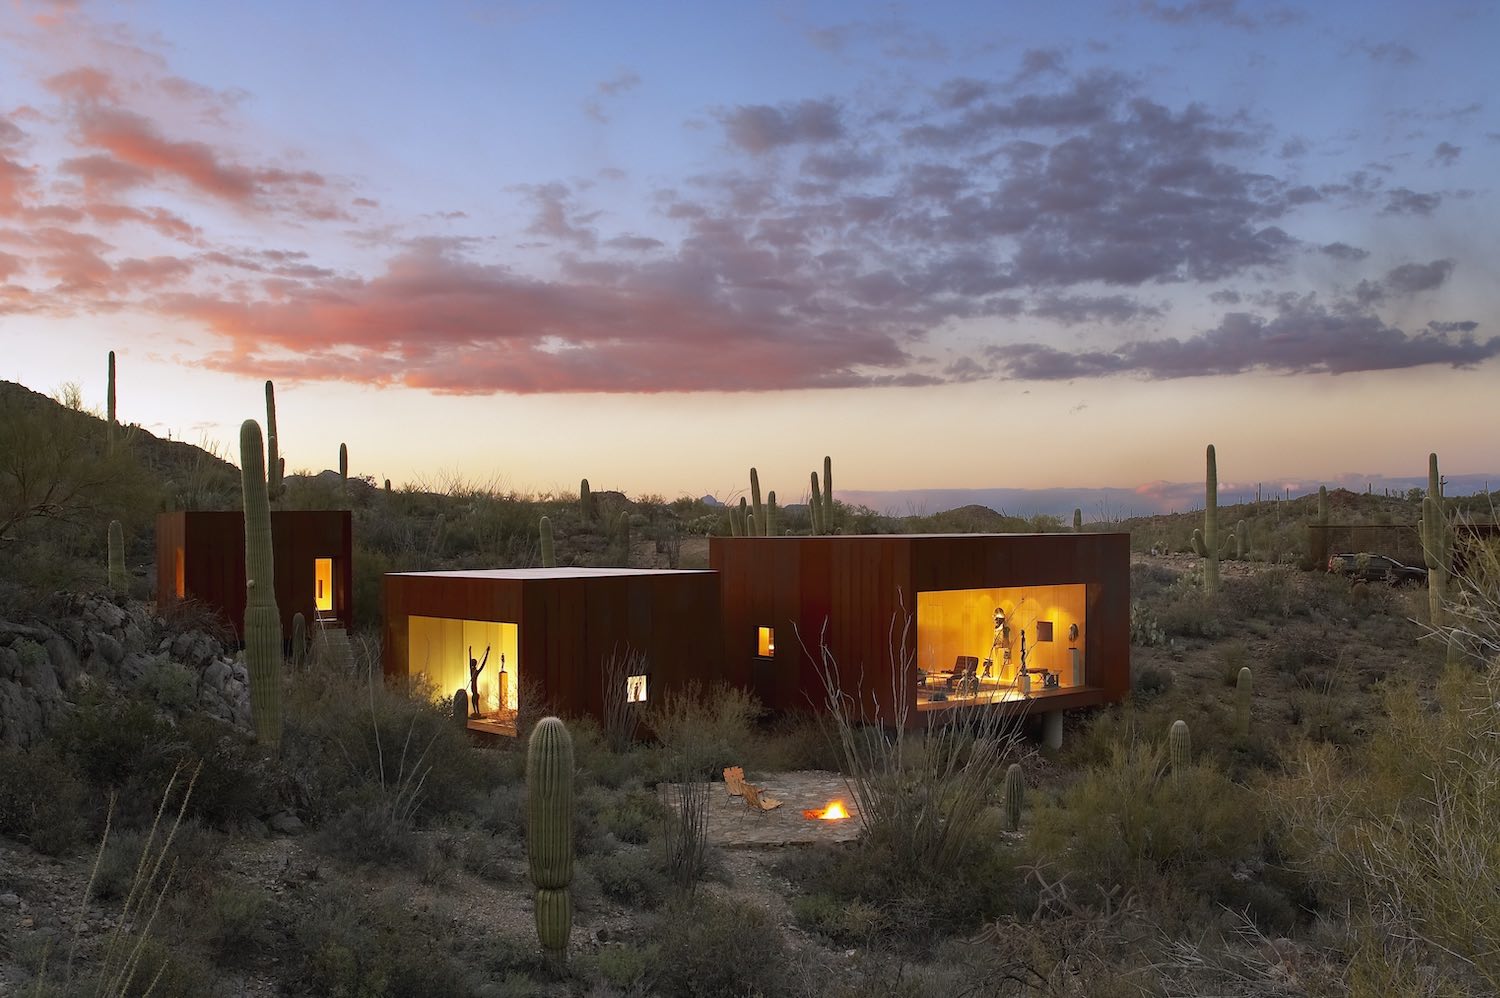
{"points": [[274, 464], [1012, 794], [1180, 748], [344, 461], [585, 501], [1077, 520], [1322, 505], [1206, 541], [262, 619], [815, 508], [828, 523], [299, 639], [771, 513], [1243, 691], [110, 402], [755, 503], [461, 709], [622, 531], [1436, 550], [117, 557], [1241, 541], [549, 552], [549, 831]]}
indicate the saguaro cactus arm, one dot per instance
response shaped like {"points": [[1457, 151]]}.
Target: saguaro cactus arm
{"points": [[262, 619]]}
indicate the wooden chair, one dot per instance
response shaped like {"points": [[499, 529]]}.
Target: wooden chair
{"points": [[734, 780], [758, 802]]}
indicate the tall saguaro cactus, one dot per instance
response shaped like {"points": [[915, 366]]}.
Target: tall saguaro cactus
{"points": [[585, 501], [815, 508], [770, 530], [274, 464], [549, 550], [117, 557], [1206, 541], [549, 831], [299, 639], [757, 506], [344, 461], [1437, 542], [1077, 520], [828, 523], [262, 619], [110, 403]]}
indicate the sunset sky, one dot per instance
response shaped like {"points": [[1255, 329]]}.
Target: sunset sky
{"points": [[954, 245]]}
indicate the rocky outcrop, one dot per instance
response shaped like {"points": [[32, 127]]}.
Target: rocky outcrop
{"points": [[94, 638]]}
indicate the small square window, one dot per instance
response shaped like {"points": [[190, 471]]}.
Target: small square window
{"points": [[635, 689], [765, 641]]}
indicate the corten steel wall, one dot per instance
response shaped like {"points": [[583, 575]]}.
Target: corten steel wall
{"points": [[213, 545], [571, 621], [855, 595]]}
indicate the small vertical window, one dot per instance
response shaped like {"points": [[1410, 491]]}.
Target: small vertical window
{"points": [[635, 689], [765, 641], [181, 572]]}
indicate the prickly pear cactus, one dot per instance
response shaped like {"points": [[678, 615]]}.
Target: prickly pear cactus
{"points": [[1180, 747], [549, 831], [1014, 790], [117, 580], [549, 550], [262, 619], [1243, 691]]}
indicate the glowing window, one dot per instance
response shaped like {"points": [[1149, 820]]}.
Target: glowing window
{"points": [[181, 575], [323, 583], [765, 641], [635, 689]]}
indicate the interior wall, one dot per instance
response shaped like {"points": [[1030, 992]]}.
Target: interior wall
{"points": [[439, 649], [958, 622]]}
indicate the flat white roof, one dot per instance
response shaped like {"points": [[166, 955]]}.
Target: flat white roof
{"points": [[553, 573]]}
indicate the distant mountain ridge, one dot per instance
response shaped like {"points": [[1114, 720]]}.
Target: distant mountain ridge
{"points": [[1145, 500]]}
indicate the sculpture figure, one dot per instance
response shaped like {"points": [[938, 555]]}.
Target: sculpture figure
{"points": [[475, 668]]}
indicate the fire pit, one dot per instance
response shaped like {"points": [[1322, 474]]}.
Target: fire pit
{"points": [[835, 811]]}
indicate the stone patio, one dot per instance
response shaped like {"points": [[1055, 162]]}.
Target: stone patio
{"points": [[732, 825]]}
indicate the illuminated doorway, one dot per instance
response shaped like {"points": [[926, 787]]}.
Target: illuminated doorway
{"points": [[323, 585]]}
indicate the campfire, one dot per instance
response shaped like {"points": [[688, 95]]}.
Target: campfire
{"points": [[833, 812]]}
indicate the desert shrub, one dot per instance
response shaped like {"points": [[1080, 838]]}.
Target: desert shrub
{"points": [[626, 967], [710, 728], [1150, 681], [1405, 836], [373, 829], [1270, 594], [694, 935], [1148, 580], [171, 685], [348, 742], [631, 817], [503, 813], [1192, 615], [347, 945], [1130, 820], [847, 923], [631, 876], [233, 921], [42, 800]]}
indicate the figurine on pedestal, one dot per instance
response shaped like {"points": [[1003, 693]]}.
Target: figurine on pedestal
{"points": [[504, 682], [475, 668]]}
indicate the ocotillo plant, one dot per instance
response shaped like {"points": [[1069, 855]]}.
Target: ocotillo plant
{"points": [[110, 403], [262, 620], [344, 461], [274, 464], [1014, 790], [549, 832], [549, 552], [299, 639], [117, 557], [1077, 520], [585, 501], [1206, 542], [1180, 748], [1243, 691]]}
